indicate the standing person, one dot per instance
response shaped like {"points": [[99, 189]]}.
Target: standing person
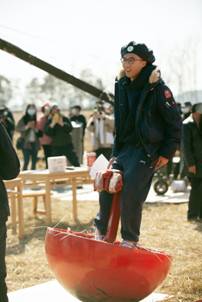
{"points": [[147, 128], [192, 154], [59, 128], [79, 130], [77, 117], [6, 117], [45, 140], [27, 126], [9, 169], [186, 110], [101, 127]]}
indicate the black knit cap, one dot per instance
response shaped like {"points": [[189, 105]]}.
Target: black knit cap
{"points": [[139, 49]]}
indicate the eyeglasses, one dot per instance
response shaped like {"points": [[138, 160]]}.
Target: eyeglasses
{"points": [[129, 61]]}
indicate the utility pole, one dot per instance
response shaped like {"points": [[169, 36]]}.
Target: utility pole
{"points": [[58, 73]]}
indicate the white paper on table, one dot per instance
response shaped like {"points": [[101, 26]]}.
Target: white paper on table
{"points": [[99, 164]]}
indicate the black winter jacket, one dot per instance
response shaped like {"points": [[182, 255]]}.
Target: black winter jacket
{"points": [[192, 146], [156, 125], [9, 169], [61, 135]]}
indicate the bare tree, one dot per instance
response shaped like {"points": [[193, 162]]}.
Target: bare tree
{"points": [[5, 90], [183, 67]]}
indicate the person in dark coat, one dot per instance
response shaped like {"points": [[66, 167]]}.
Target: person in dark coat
{"points": [[45, 140], [27, 126], [77, 117], [147, 134], [192, 154], [186, 110], [78, 121], [9, 169], [59, 128], [7, 118]]}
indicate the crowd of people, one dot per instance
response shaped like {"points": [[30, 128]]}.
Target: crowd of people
{"points": [[51, 130]]}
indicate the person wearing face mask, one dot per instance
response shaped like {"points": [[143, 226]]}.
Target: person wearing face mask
{"points": [[45, 140], [27, 126], [192, 155]]}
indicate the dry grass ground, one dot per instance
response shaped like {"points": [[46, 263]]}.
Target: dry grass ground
{"points": [[163, 227]]}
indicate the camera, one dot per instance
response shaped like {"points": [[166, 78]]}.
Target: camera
{"points": [[99, 107], [3, 112]]}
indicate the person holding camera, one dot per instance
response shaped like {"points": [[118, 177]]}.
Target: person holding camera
{"points": [[59, 128], [101, 127]]}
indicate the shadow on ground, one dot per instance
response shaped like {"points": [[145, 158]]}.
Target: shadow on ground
{"points": [[38, 232]]}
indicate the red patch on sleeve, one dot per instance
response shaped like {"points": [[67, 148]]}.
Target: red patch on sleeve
{"points": [[167, 94]]}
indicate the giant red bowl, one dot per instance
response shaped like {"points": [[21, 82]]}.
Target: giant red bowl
{"points": [[101, 271]]}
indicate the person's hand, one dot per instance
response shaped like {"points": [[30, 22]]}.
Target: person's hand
{"points": [[60, 122], [102, 114], [95, 115], [56, 118], [111, 161], [177, 153], [192, 169], [30, 125], [2, 119], [162, 161]]}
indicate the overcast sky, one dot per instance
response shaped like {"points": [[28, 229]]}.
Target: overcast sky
{"points": [[79, 34]]}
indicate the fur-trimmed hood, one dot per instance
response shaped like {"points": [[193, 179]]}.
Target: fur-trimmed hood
{"points": [[153, 78]]}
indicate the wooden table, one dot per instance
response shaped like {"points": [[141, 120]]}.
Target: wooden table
{"points": [[72, 175]]}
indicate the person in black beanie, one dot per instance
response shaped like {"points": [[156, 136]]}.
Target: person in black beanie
{"points": [[9, 169], [147, 134]]}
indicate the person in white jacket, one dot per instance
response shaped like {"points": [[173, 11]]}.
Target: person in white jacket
{"points": [[101, 127]]}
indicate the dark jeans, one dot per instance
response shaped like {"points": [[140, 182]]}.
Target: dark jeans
{"points": [[107, 152], [195, 199], [68, 151], [137, 177], [3, 287], [47, 149], [30, 154]]}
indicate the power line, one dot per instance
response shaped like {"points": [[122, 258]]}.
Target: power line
{"points": [[23, 32]]}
